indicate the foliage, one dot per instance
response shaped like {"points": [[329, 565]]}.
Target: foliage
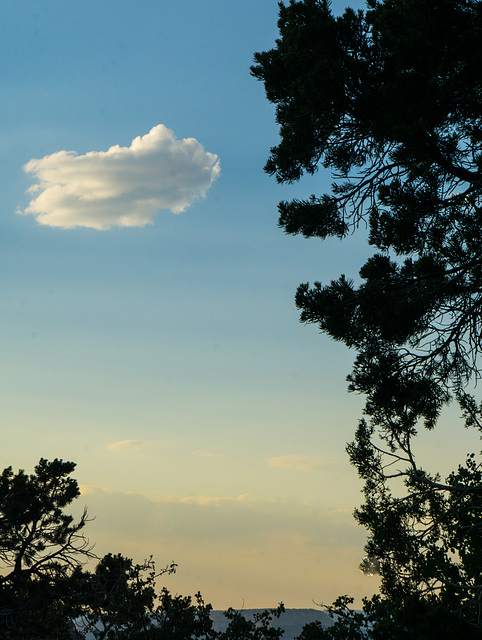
{"points": [[258, 629], [390, 619], [118, 598], [390, 100], [178, 617], [40, 549]]}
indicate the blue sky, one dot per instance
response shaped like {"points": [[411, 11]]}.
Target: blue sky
{"points": [[167, 359]]}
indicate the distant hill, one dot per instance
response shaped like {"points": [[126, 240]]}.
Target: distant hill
{"points": [[291, 621]]}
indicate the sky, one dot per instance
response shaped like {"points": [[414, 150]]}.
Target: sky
{"points": [[149, 331]]}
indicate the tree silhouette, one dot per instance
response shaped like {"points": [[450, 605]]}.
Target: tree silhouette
{"points": [[389, 99], [41, 548]]}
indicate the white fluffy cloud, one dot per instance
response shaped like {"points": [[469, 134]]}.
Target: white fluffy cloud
{"points": [[124, 186]]}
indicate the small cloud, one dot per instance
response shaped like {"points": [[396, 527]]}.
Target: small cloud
{"points": [[204, 501], [207, 454], [91, 489], [124, 186], [86, 489], [300, 463], [131, 445]]}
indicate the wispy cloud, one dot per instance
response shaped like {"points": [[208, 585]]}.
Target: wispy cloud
{"points": [[124, 186], [234, 519], [87, 489], [220, 541], [204, 501], [131, 445], [300, 463], [207, 454]]}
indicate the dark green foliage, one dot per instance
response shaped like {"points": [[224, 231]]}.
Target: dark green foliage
{"points": [[415, 179], [119, 599], [240, 628], [180, 617], [40, 549], [313, 217], [390, 100], [383, 619]]}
